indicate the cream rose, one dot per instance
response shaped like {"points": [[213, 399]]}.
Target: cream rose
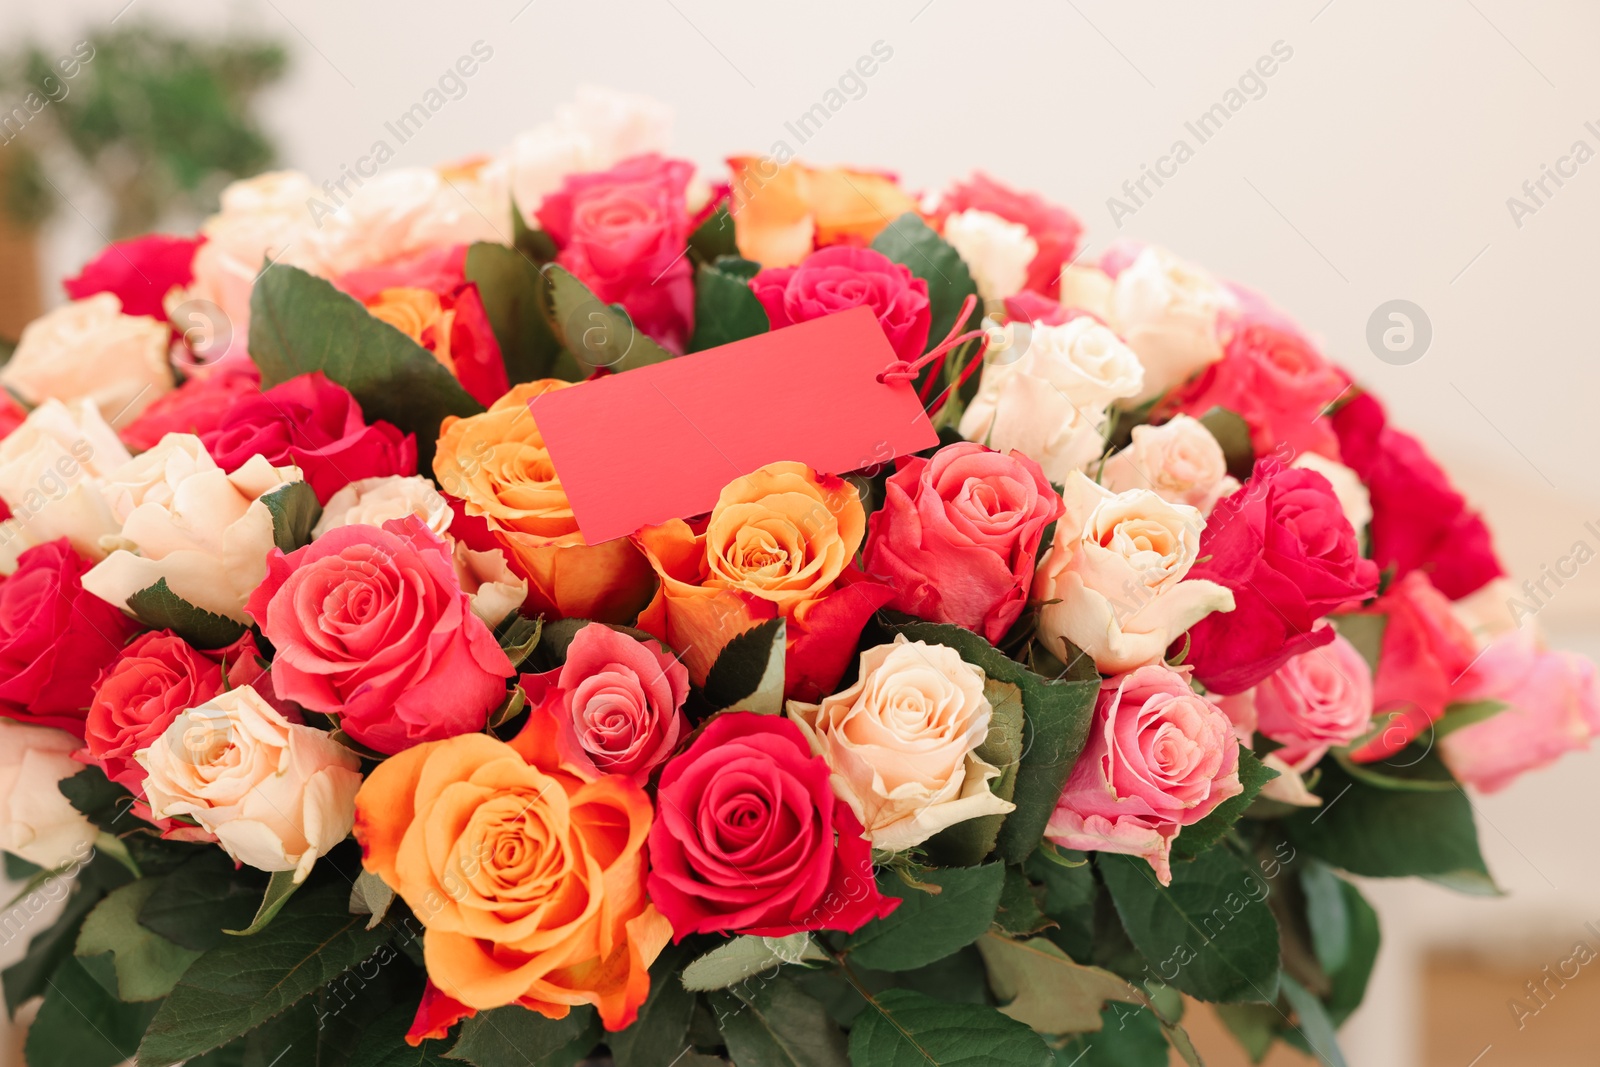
{"points": [[997, 252], [397, 213], [1112, 582], [1354, 500], [1179, 461], [900, 742], [89, 349], [52, 473], [374, 501], [599, 128], [493, 588], [36, 821], [277, 795]]}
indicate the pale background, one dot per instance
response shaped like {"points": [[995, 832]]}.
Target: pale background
{"points": [[1376, 166]]}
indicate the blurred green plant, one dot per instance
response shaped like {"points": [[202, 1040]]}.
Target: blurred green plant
{"points": [[158, 120]]}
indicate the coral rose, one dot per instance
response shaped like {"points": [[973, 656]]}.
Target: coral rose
{"points": [[90, 350], [781, 211], [831, 280], [198, 406]]}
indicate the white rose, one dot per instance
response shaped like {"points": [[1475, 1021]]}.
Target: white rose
{"points": [[1112, 582], [153, 477], [900, 742], [36, 821], [997, 252], [491, 586], [52, 472], [597, 130], [277, 795], [1354, 500], [1179, 461], [398, 213], [374, 501], [89, 349]]}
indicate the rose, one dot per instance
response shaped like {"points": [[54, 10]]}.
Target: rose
{"points": [[1419, 522], [958, 534], [497, 466], [751, 839], [835, 279], [277, 795], [492, 587], [529, 880], [316, 425], [1049, 400], [1354, 500], [901, 742], [780, 542], [622, 232], [1285, 549], [36, 821], [206, 533], [781, 211], [598, 129], [1159, 758], [51, 470], [997, 252], [374, 501], [1319, 698], [90, 350], [138, 272], [54, 638], [403, 211], [1116, 581], [1053, 229], [1552, 707], [198, 406], [617, 703], [1179, 461]]}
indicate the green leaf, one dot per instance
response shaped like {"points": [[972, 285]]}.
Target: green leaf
{"points": [[967, 843], [159, 608], [300, 323], [725, 310], [518, 636], [383, 1044], [1038, 984], [714, 238], [516, 299], [203, 898], [1233, 434], [1466, 714], [1069, 898], [147, 965], [517, 1037], [1415, 768], [928, 926], [1019, 913], [1210, 933], [773, 1024], [295, 511], [745, 957], [18, 869], [1254, 1026], [239, 985], [1128, 1037], [748, 674], [80, 1024], [1195, 839], [598, 334], [907, 1029], [1058, 714], [101, 800], [1344, 936], [534, 242], [928, 256], [1315, 1026], [556, 636], [372, 897], [1365, 632], [280, 887], [657, 1038], [29, 977]]}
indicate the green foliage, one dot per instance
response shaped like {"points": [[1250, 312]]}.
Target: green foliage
{"points": [[658, 1036], [714, 238], [928, 926], [1037, 984], [907, 1029], [516, 299], [968, 842], [517, 1037], [146, 964], [280, 887], [1233, 434], [82, 1024], [203, 898], [748, 674], [597, 334], [383, 1044], [295, 511], [159, 608], [1195, 839], [910, 241], [774, 1024], [1128, 1037], [725, 310], [742, 958], [53, 945]]}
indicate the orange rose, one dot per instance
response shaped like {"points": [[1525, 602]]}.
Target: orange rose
{"points": [[497, 465], [781, 541], [529, 881], [782, 211]]}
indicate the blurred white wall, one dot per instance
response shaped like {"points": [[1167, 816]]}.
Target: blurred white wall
{"points": [[1376, 165]]}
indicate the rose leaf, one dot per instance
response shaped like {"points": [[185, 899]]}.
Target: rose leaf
{"points": [[745, 957], [146, 964], [159, 608], [927, 926], [902, 1028], [600, 335], [1040, 985], [912, 243], [725, 310]]}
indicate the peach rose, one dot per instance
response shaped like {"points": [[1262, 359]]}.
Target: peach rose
{"points": [[52, 475], [398, 213], [1179, 461], [781, 211], [529, 880], [36, 821], [374, 501], [598, 129], [1113, 583], [89, 349], [497, 466], [900, 742]]}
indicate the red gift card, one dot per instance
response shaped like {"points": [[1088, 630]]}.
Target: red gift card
{"points": [[660, 442]]}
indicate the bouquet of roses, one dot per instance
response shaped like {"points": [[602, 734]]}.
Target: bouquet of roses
{"points": [[339, 742]]}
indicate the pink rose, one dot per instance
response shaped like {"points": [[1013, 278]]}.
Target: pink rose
{"points": [[1316, 700], [140, 272], [622, 232], [1159, 758], [371, 626], [198, 406], [617, 701], [1054, 229], [1554, 700], [958, 535], [316, 425], [842, 277]]}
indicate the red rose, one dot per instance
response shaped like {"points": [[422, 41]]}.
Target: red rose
{"points": [[958, 535], [370, 625], [139, 272], [197, 406], [623, 232], [54, 638], [1281, 543], [749, 837], [316, 425], [841, 277], [1054, 229], [1419, 522], [617, 701]]}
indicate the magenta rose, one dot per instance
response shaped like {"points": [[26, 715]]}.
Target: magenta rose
{"points": [[623, 232], [139, 272], [1159, 757], [1282, 544], [1320, 698], [54, 638], [1054, 229], [369, 625], [749, 837], [841, 277], [316, 425], [958, 535], [618, 703], [198, 406]]}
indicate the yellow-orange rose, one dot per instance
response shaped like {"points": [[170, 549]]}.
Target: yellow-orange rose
{"points": [[529, 880], [497, 465], [781, 211], [421, 316]]}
